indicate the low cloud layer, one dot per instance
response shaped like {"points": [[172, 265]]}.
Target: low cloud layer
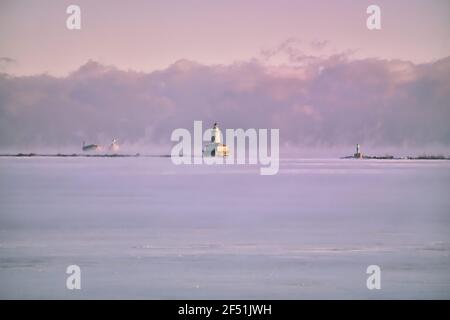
{"points": [[328, 102]]}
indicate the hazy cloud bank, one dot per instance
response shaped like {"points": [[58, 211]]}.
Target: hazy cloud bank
{"points": [[325, 102]]}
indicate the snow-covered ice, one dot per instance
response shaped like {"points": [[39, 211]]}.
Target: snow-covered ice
{"points": [[145, 228]]}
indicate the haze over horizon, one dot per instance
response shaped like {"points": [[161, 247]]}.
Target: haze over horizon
{"points": [[328, 104]]}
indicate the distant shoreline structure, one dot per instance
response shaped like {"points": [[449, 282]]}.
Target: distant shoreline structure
{"points": [[388, 157], [359, 155], [137, 155], [82, 155]]}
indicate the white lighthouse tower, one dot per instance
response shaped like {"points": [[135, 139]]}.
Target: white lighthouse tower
{"points": [[215, 134], [358, 153], [215, 148]]}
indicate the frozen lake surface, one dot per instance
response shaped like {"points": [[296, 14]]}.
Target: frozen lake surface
{"points": [[145, 228]]}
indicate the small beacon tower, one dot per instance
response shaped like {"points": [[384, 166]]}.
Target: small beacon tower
{"points": [[358, 154]]}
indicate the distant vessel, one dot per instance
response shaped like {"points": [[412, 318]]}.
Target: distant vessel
{"points": [[114, 146], [90, 147], [216, 148]]}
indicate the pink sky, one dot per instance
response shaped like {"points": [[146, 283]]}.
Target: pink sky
{"points": [[150, 35]]}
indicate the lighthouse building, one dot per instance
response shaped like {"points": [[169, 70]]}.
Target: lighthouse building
{"points": [[215, 148]]}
